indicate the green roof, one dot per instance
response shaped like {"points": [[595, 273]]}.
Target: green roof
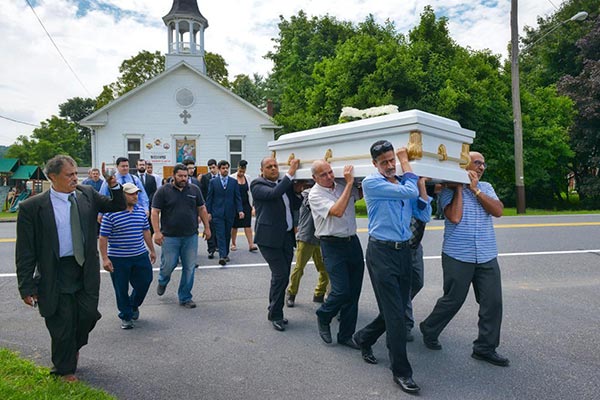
{"points": [[8, 165], [27, 172]]}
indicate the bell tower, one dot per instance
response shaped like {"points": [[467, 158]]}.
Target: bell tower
{"points": [[185, 29]]}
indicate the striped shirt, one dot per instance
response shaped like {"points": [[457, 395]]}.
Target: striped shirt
{"points": [[125, 232], [473, 239]]}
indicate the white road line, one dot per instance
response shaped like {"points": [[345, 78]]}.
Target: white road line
{"points": [[231, 266]]}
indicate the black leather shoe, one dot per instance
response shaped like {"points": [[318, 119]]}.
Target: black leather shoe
{"points": [[222, 261], [324, 331], [407, 384], [350, 343], [160, 289], [319, 299], [211, 255], [279, 325], [285, 321], [290, 300], [430, 343], [227, 259], [492, 358], [366, 352]]}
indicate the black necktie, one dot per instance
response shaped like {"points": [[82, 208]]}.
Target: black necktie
{"points": [[76, 233], [144, 179]]}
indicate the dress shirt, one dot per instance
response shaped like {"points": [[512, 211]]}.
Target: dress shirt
{"points": [[473, 239], [62, 216], [321, 199], [390, 206], [121, 179]]}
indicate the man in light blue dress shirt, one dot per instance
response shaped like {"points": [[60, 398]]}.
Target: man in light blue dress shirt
{"points": [[391, 203], [123, 176], [469, 256]]}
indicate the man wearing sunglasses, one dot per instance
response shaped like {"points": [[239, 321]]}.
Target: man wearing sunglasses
{"points": [[469, 256], [392, 201]]}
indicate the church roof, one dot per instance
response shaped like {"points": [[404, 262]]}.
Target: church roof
{"points": [[98, 118], [185, 8]]}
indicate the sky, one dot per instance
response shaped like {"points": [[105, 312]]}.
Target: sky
{"points": [[96, 36]]}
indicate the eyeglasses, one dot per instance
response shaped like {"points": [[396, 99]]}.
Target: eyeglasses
{"points": [[479, 163], [383, 147]]}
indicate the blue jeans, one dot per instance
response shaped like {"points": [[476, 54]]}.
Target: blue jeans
{"points": [[137, 271], [174, 248]]}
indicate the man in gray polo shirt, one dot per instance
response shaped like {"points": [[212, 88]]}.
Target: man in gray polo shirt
{"points": [[332, 206], [176, 208]]}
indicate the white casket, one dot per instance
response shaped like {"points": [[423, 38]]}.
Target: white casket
{"points": [[438, 147]]}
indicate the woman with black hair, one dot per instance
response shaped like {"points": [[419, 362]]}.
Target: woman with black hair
{"points": [[245, 222]]}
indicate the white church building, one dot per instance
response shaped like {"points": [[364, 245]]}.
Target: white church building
{"points": [[181, 112]]}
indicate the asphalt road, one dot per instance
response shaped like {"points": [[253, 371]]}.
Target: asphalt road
{"points": [[226, 349]]}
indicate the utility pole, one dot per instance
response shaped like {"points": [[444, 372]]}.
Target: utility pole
{"points": [[516, 105]]}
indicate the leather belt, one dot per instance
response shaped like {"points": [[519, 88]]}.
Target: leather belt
{"points": [[393, 245], [336, 238]]}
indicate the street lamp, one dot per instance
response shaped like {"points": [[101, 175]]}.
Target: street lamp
{"points": [[516, 96]]}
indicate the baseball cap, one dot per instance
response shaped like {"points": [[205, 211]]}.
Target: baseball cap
{"points": [[130, 188]]}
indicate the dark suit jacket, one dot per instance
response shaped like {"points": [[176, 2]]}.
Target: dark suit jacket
{"points": [[37, 249], [149, 186], [270, 225], [204, 181], [224, 203]]}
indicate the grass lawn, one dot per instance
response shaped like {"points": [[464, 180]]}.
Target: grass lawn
{"points": [[8, 215], [23, 380]]}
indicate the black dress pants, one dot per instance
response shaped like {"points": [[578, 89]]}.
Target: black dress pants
{"points": [[280, 261], [75, 317], [390, 271], [458, 277]]}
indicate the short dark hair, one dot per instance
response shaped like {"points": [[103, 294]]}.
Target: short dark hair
{"points": [[210, 162], [179, 167], [148, 163], [188, 161], [243, 164], [56, 163], [121, 159], [142, 160], [222, 162], [380, 147]]}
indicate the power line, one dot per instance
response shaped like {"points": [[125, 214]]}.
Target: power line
{"points": [[58, 50], [19, 122]]}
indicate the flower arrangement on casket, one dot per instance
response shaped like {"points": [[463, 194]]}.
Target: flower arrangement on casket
{"points": [[438, 147]]}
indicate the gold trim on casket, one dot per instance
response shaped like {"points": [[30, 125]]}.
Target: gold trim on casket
{"points": [[438, 147]]}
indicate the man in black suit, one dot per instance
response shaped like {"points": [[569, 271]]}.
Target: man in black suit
{"points": [[274, 202], [213, 172], [223, 203], [148, 180], [57, 258], [150, 186], [190, 164]]}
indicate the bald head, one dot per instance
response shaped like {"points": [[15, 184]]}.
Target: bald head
{"points": [[269, 168], [322, 173]]}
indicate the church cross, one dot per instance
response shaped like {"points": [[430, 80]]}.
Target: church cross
{"points": [[185, 115]]}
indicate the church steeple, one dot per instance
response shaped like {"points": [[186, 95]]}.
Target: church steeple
{"points": [[185, 27]]}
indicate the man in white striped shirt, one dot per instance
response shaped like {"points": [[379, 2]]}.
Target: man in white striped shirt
{"points": [[469, 256], [124, 237]]}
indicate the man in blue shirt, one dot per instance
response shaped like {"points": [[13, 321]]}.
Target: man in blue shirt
{"points": [[469, 256], [124, 237], [123, 176], [391, 202], [94, 179]]}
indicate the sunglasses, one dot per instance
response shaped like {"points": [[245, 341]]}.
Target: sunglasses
{"points": [[383, 147]]}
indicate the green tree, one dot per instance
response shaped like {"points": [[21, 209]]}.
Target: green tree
{"points": [[584, 89], [74, 110], [250, 89], [55, 136], [216, 68]]}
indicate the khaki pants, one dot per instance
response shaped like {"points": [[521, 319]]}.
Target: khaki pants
{"points": [[304, 252]]}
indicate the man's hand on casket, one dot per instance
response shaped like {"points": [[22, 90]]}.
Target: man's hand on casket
{"points": [[349, 174], [294, 164]]}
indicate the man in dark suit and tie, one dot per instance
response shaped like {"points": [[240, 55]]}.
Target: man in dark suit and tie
{"points": [[213, 172], [223, 202], [57, 258], [274, 202], [148, 180], [190, 164]]}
